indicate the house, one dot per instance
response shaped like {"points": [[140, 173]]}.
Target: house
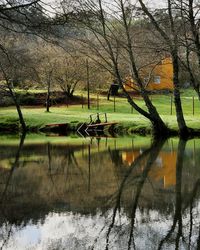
{"points": [[155, 76], [163, 170]]}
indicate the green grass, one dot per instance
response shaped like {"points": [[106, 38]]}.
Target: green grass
{"points": [[127, 118]]}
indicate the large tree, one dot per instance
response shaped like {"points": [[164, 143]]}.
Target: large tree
{"points": [[70, 70], [33, 17], [15, 67], [189, 36], [168, 30], [108, 35]]}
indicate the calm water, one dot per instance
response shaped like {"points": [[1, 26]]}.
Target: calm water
{"points": [[115, 193]]}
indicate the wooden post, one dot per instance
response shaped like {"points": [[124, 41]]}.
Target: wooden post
{"points": [[106, 119], [97, 101], [67, 102], [114, 104], [48, 96], [88, 84], [193, 105], [90, 118], [171, 105]]}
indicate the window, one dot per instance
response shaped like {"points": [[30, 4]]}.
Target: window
{"points": [[157, 79]]}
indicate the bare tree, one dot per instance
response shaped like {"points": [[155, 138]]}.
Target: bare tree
{"points": [[108, 36], [69, 72], [171, 39], [190, 41], [9, 86], [46, 60], [19, 17], [193, 14], [11, 69]]}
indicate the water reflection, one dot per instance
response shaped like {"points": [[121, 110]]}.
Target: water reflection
{"points": [[100, 194]]}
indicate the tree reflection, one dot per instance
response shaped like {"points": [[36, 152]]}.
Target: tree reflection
{"points": [[179, 209], [178, 206], [13, 167], [148, 156], [177, 233], [62, 164], [153, 154], [3, 200], [191, 205]]}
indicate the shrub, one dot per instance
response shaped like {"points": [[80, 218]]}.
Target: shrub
{"points": [[27, 99], [6, 101]]}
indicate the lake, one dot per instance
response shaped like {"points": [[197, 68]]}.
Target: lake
{"points": [[99, 193]]}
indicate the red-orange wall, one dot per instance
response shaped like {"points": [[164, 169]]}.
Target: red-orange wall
{"points": [[164, 69]]}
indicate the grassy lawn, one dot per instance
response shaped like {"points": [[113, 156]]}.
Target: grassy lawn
{"points": [[36, 117]]}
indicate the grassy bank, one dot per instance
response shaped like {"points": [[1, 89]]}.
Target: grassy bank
{"points": [[118, 110]]}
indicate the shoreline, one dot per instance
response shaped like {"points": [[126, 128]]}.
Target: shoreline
{"points": [[129, 121], [72, 127]]}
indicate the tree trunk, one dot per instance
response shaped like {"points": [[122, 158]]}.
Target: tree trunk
{"points": [[172, 42], [21, 118], [48, 97], [193, 81], [13, 96], [194, 29], [159, 126], [160, 129], [183, 130]]}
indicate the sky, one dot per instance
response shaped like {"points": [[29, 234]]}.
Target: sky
{"points": [[151, 3]]}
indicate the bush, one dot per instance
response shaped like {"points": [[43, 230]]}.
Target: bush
{"points": [[6, 101], [27, 99]]}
